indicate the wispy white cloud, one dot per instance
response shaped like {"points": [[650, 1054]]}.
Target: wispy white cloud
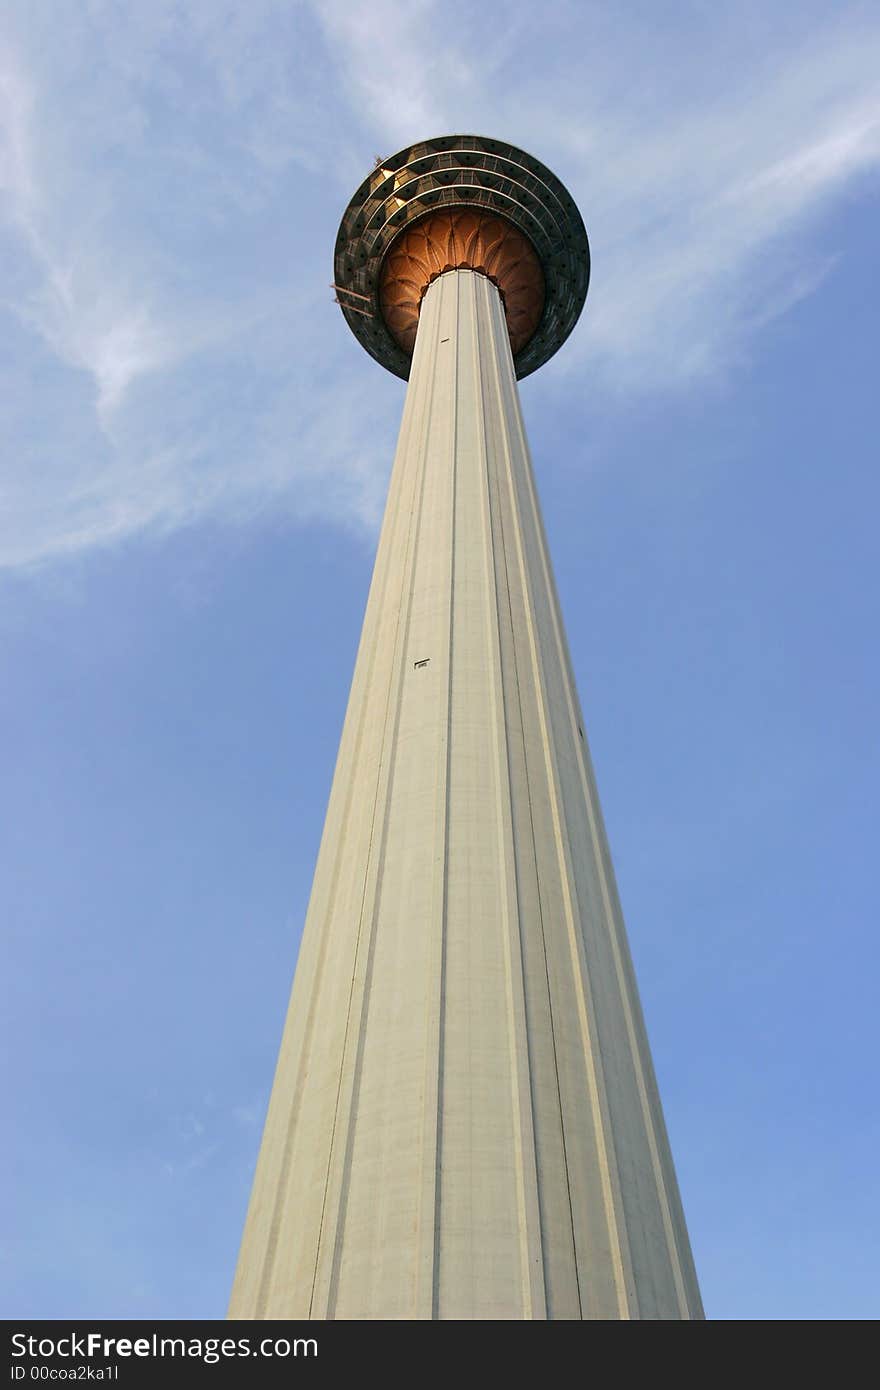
{"points": [[15, 103], [413, 67], [171, 180], [72, 295], [175, 276]]}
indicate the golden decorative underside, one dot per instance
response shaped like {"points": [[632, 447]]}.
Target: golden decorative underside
{"points": [[462, 239]]}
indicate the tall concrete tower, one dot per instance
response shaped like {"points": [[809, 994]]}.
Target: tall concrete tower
{"points": [[464, 1121]]}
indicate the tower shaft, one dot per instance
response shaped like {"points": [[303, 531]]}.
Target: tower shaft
{"points": [[464, 1121]]}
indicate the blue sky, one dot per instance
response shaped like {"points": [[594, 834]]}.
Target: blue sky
{"points": [[194, 464]]}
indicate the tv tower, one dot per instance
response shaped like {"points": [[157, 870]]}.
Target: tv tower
{"points": [[464, 1122]]}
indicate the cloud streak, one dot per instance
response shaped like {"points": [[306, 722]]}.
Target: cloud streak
{"points": [[171, 182]]}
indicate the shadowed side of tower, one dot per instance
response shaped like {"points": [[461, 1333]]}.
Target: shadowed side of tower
{"points": [[464, 1121]]}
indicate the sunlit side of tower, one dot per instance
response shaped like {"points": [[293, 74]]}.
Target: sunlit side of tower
{"points": [[464, 1121]]}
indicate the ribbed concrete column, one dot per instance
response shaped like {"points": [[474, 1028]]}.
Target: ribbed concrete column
{"points": [[464, 1121]]}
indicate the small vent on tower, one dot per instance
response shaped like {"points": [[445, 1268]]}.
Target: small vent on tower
{"points": [[417, 665]]}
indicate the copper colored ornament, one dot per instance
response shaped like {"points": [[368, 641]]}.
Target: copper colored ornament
{"points": [[462, 239]]}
